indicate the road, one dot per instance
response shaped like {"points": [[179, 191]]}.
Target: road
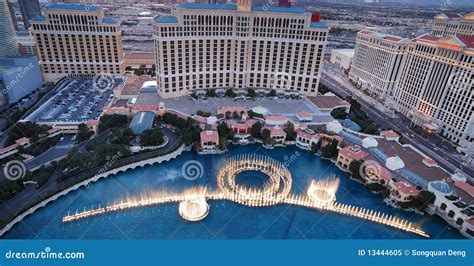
{"points": [[32, 195], [434, 146]]}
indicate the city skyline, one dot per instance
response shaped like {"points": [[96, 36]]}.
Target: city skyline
{"points": [[241, 120]]}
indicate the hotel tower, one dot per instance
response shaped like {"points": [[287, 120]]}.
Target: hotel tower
{"points": [[79, 40], [238, 46]]}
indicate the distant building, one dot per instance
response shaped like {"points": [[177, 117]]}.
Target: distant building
{"points": [[348, 154], [26, 44], [19, 76], [342, 58], [436, 87], [8, 44], [136, 61], [29, 9], [77, 39], [142, 121], [215, 46], [209, 140], [447, 24], [377, 62]]}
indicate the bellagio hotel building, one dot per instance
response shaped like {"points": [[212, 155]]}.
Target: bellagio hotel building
{"points": [[238, 46], [77, 39]]}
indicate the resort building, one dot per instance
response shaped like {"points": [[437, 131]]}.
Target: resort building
{"points": [[306, 138], [139, 61], [402, 191], [240, 127], [455, 204], [79, 40], [29, 9], [435, 88], [377, 62], [26, 44], [238, 46], [14, 148], [375, 173], [277, 134], [342, 58], [348, 154], [209, 140], [448, 24], [8, 44]]}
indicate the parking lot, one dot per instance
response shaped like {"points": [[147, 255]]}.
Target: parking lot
{"points": [[78, 101]]}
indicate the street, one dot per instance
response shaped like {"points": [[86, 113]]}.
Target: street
{"points": [[434, 146]]}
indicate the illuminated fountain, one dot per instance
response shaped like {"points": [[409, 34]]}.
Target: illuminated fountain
{"points": [[194, 207], [323, 192], [321, 195]]}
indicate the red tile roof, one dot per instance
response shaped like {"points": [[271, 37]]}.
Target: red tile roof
{"points": [[328, 102], [465, 186], [405, 188], [277, 131], [22, 141], [209, 136], [377, 169], [429, 162], [467, 40], [429, 38], [390, 134], [452, 15], [393, 38], [353, 152]]}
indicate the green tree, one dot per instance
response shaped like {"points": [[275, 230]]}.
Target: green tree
{"points": [[315, 147], [28, 130], [230, 93], [290, 131], [111, 121], [256, 130], [266, 135], [83, 132], [225, 133], [211, 93], [330, 150], [151, 137], [339, 113], [251, 93], [272, 93], [355, 169]]}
